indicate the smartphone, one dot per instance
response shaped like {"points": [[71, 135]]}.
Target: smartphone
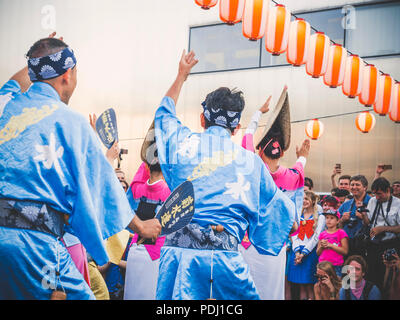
{"points": [[387, 167], [338, 166]]}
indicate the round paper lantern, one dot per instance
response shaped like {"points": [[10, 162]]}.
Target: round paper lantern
{"points": [[206, 4], [254, 19], [385, 86], [365, 121], [299, 37], [353, 77], [369, 89], [314, 129], [334, 74], [317, 58], [231, 11], [394, 113], [277, 31]]}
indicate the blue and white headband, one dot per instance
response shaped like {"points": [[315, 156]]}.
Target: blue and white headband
{"points": [[222, 117], [51, 66]]}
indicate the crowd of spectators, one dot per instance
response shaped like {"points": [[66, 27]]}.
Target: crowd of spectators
{"points": [[358, 250]]}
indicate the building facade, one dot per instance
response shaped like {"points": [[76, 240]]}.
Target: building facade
{"points": [[128, 54]]}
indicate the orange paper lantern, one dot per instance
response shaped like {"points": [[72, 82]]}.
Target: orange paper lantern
{"points": [[317, 58], [365, 121], [299, 37], [369, 90], [394, 113], [314, 129], [206, 4], [385, 86], [334, 75], [254, 19], [353, 77], [277, 31], [231, 11]]}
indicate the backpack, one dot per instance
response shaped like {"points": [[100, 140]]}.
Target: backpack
{"points": [[366, 291]]}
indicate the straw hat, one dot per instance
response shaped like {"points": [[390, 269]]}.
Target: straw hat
{"points": [[148, 152], [278, 123]]}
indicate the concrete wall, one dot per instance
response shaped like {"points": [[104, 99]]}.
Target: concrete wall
{"points": [[128, 54]]}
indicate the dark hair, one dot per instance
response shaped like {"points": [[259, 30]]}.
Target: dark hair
{"points": [[334, 191], [344, 177], [360, 178], [275, 134], [224, 98], [45, 47], [274, 148], [342, 193], [308, 182], [155, 167], [396, 182], [358, 259], [380, 184]]}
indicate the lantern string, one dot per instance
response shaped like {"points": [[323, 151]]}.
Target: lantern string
{"points": [[295, 121], [351, 53], [324, 117]]}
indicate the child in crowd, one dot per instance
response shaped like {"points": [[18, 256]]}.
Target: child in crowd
{"points": [[303, 258], [329, 203], [334, 242], [329, 284]]}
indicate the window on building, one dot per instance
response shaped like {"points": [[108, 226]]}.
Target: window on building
{"points": [[371, 30], [327, 21], [223, 47], [375, 30]]}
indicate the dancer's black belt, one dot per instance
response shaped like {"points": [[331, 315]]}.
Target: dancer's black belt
{"points": [[194, 236], [31, 215]]}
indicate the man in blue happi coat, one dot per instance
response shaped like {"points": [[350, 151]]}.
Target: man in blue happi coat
{"points": [[234, 192], [53, 172]]}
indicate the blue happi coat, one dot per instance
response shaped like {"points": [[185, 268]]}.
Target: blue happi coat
{"points": [[50, 154], [232, 188]]}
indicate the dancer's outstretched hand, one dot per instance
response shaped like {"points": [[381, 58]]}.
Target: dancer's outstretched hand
{"points": [[265, 107], [186, 64]]}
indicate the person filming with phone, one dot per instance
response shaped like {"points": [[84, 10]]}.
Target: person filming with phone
{"points": [[383, 217]]}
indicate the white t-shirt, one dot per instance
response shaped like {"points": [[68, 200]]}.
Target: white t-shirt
{"points": [[392, 217]]}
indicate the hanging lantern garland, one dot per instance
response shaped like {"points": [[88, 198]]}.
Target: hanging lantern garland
{"points": [[254, 19], [369, 91], [315, 52], [277, 31], [385, 86], [206, 4], [394, 113], [352, 84], [231, 11], [334, 74], [365, 121], [314, 129], [317, 59], [299, 37]]}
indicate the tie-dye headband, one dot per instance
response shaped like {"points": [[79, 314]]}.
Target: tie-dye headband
{"points": [[222, 117], [51, 66]]}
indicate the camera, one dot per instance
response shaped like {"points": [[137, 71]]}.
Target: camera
{"points": [[352, 222], [362, 209], [389, 254], [123, 151]]}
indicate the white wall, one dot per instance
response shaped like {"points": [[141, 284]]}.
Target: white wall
{"points": [[128, 54]]}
